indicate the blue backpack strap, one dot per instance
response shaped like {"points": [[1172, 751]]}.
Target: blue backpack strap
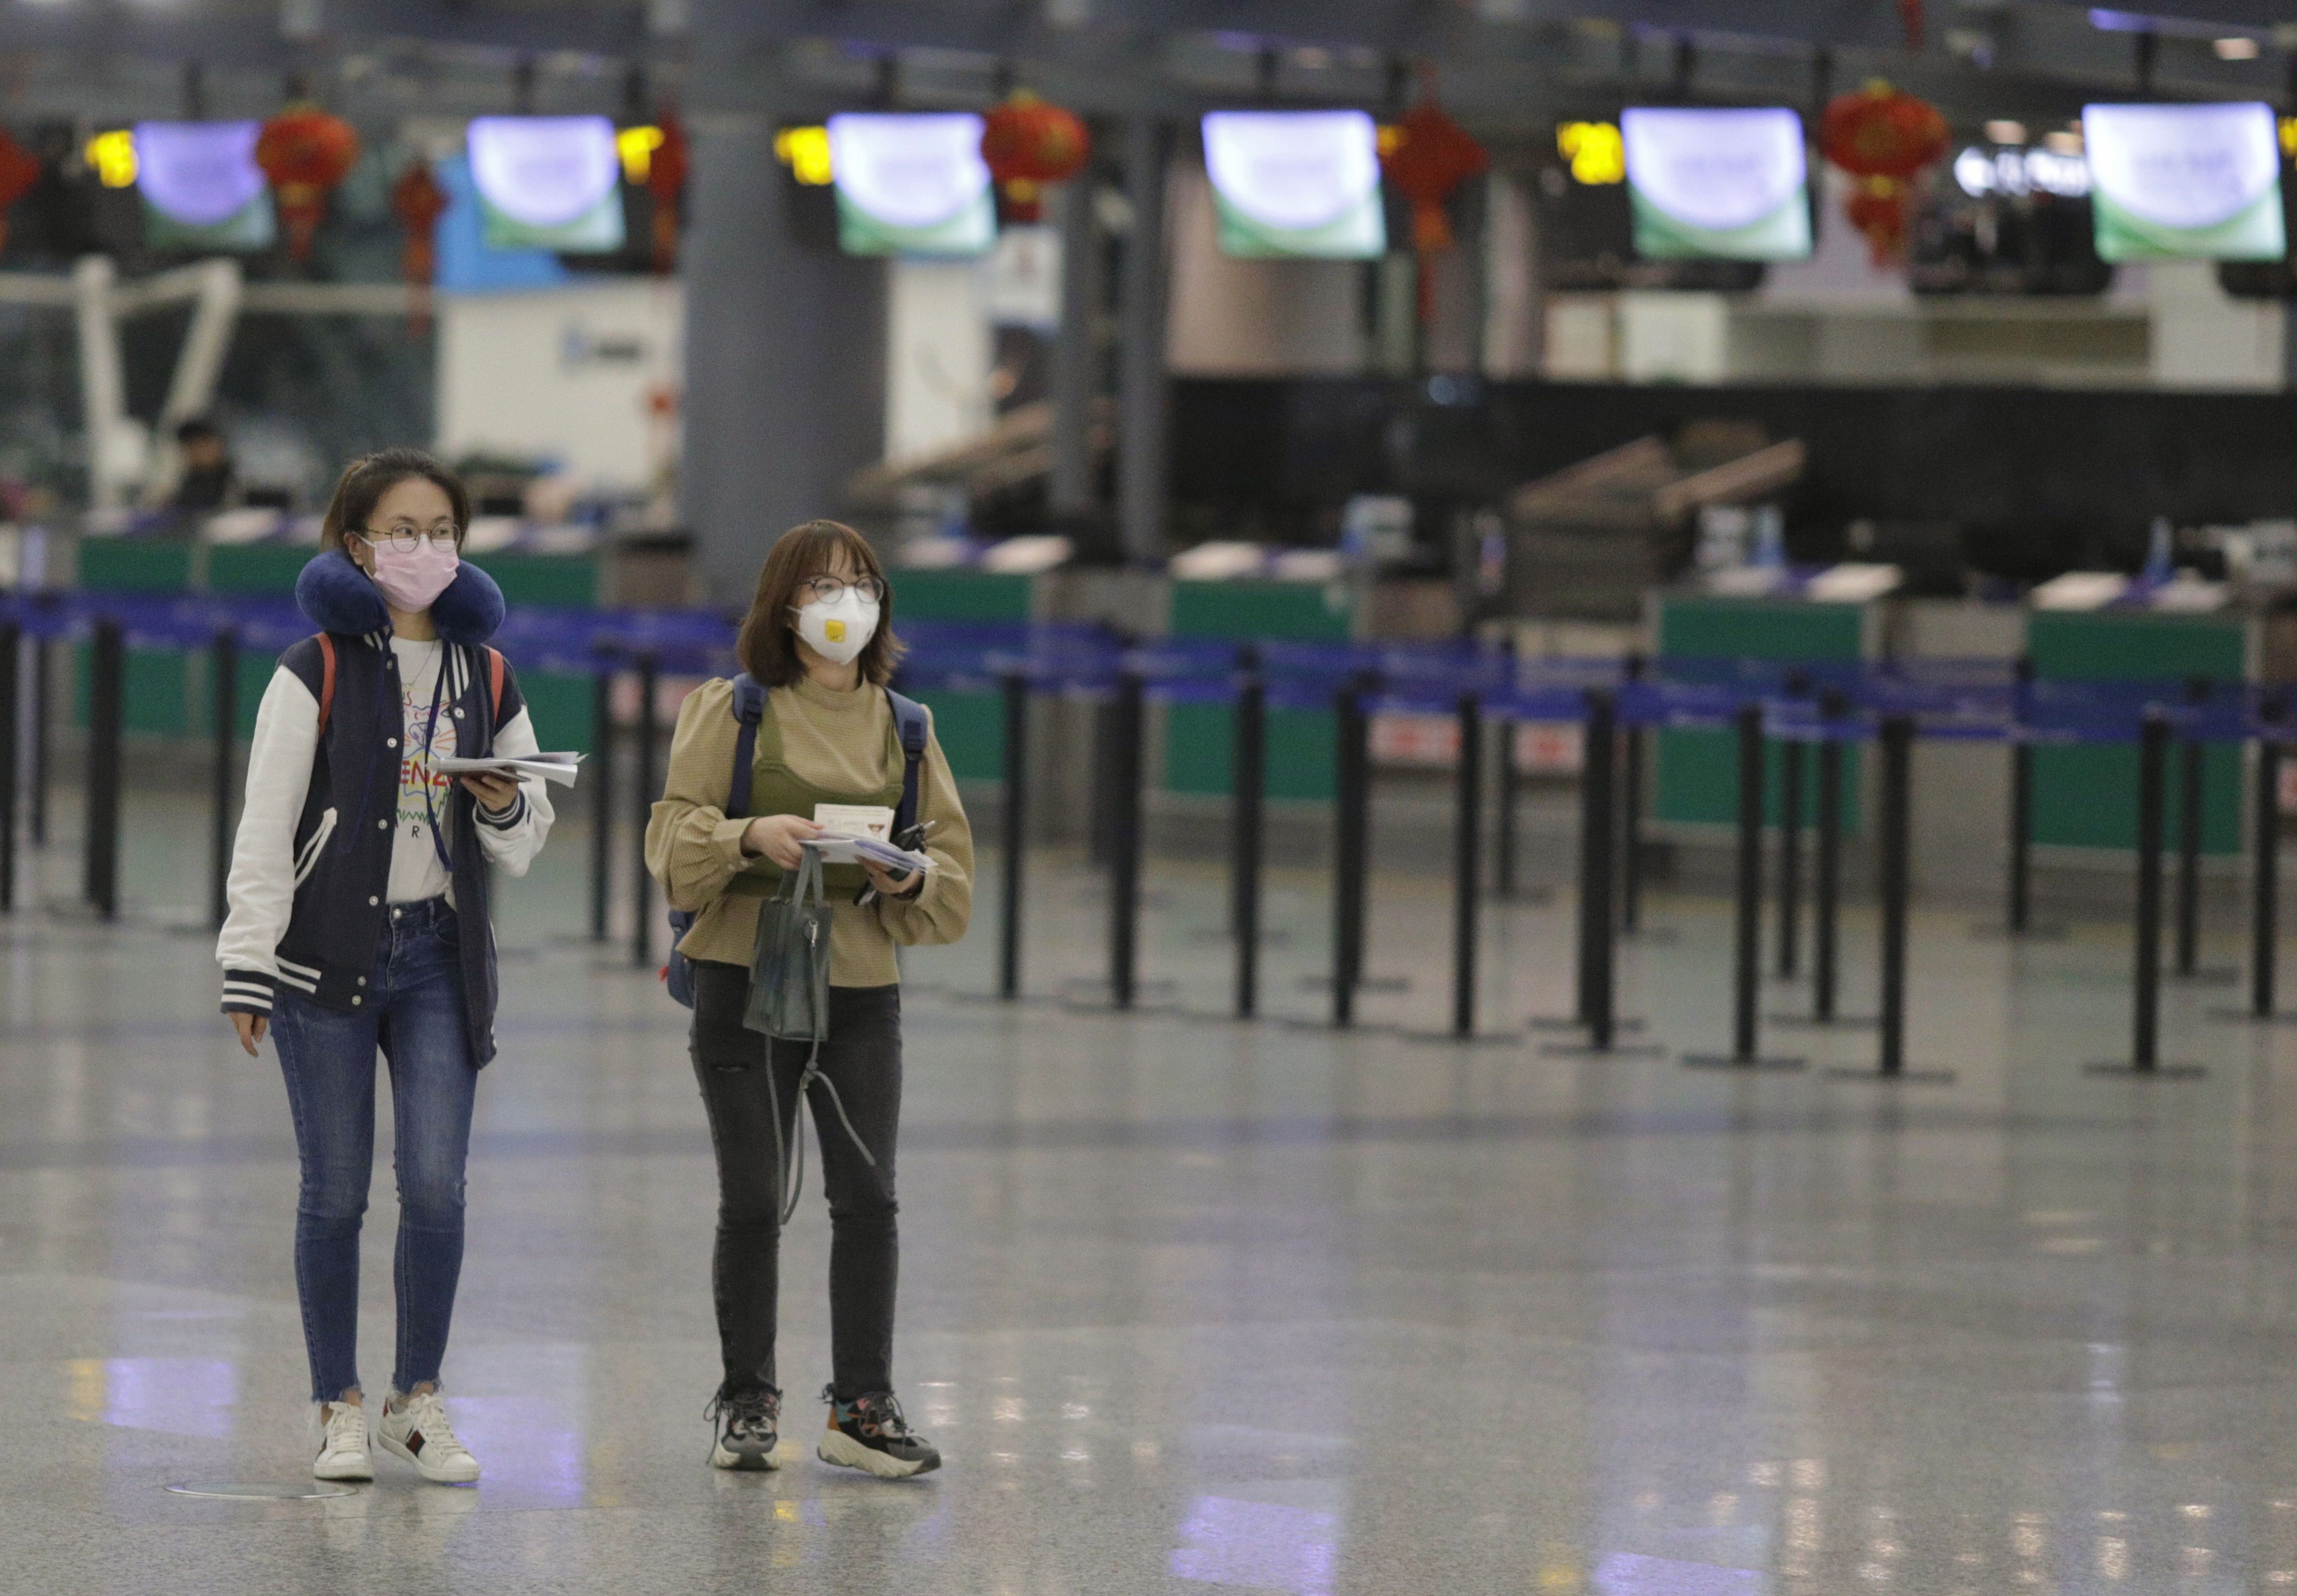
{"points": [[910, 719], [749, 710]]}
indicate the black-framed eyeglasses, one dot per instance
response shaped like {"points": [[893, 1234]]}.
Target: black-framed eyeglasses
{"points": [[406, 539], [829, 589]]}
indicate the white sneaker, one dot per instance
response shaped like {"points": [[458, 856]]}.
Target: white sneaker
{"points": [[343, 1444], [415, 1429]]}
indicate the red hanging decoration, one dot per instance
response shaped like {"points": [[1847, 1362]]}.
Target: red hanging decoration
{"points": [[418, 202], [305, 153], [666, 167], [20, 169], [1883, 138], [1028, 143], [1426, 156], [1910, 12]]}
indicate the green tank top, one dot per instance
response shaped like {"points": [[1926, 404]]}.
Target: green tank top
{"points": [[774, 789]]}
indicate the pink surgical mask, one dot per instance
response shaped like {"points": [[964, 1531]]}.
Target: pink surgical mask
{"points": [[412, 580]]}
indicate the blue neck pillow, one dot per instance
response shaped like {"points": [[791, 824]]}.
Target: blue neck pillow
{"points": [[335, 596]]}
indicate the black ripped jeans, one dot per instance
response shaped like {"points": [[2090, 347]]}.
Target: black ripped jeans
{"points": [[863, 1059]]}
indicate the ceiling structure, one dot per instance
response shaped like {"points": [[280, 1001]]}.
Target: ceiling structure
{"points": [[1502, 65]]}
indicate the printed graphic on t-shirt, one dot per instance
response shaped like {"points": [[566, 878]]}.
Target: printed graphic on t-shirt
{"points": [[416, 772]]}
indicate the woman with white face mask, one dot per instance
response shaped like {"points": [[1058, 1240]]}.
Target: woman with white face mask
{"points": [[818, 641], [359, 921]]}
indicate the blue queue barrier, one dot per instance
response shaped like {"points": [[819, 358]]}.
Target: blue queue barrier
{"points": [[1823, 704]]}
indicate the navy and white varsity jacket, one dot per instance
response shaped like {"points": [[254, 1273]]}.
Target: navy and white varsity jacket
{"points": [[311, 864]]}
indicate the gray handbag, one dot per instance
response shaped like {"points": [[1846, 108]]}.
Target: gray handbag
{"points": [[789, 1002], [789, 967]]}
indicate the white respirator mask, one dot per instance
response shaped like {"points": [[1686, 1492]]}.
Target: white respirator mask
{"points": [[838, 629]]}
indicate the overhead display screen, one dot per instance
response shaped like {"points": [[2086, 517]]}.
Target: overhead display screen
{"points": [[2186, 182], [202, 188], [1298, 183], [1717, 185], [912, 185], [548, 183]]}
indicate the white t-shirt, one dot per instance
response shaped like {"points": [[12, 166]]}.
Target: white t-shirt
{"points": [[415, 872]]}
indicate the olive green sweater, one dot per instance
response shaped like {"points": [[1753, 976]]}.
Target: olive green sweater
{"points": [[839, 741]]}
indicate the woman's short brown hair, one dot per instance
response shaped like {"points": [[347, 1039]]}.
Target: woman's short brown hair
{"points": [[766, 646], [365, 480]]}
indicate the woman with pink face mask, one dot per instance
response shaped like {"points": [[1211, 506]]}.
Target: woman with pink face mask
{"points": [[358, 922]]}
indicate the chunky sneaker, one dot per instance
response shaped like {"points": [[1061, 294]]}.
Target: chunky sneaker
{"points": [[749, 1428], [342, 1444], [870, 1433], [415, 1429]]}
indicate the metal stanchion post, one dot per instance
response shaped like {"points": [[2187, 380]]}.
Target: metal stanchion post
{"points": [[2145, 1020], [1631, 816], [1124, 767], [1248, 790], [1506, 801], [602, 799], [108, 669], [642, 797], [1015, 688], [2021, 809], [1746, 951], [226, 737], [2191, 755], [11, 638], [1827, 899], [1351, 831], [1790, 856], [37, 798], [1467, 823], [1895, 859], [2264, 868]]}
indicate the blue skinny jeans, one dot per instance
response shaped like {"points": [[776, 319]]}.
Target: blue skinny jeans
{"points": [[413, 1010]]}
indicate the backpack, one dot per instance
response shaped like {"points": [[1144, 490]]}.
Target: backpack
{"points": [[749, 710], [327, 680]]}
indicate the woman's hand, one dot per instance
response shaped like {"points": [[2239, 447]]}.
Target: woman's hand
{"points": [[497, 792], [251, 1028], [891, 885], [777, 837]]}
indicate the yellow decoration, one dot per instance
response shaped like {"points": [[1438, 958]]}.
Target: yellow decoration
{"points": [[2289, 137], [636, 145], [805, 150], [1597, 155], [114, 156]]}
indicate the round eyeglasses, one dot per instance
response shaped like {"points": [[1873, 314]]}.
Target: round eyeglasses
{"points": [[829, 589], [406, 539]]}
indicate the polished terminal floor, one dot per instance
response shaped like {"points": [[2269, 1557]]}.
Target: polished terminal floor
{"points": [[1191, 1304]]}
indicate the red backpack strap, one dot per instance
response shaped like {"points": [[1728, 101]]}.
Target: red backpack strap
{"points": [[326, 679], [495, 681]]}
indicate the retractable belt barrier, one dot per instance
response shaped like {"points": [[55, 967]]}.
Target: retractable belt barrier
{"points": [[1808, 707]]}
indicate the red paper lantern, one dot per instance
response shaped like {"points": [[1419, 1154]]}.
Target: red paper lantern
{"points": [[666, 168], [1879, 132], [305, 153], [418, 202], [1426, 156], [1881, 138], [1027, 143], [20, 169]]}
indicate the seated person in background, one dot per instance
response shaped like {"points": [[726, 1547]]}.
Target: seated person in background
{"points": [[208, 477]]}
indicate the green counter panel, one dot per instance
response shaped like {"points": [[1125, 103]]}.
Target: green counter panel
{"points": [[559, 581], [1698, 770], [2086, 796], [257, 568], [970, 726], [1200, 738], [960, 596], [133, 565]]}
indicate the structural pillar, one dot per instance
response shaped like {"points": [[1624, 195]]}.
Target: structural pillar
{"points": [[1142, 384], [784, 356], [1075, 377]]}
